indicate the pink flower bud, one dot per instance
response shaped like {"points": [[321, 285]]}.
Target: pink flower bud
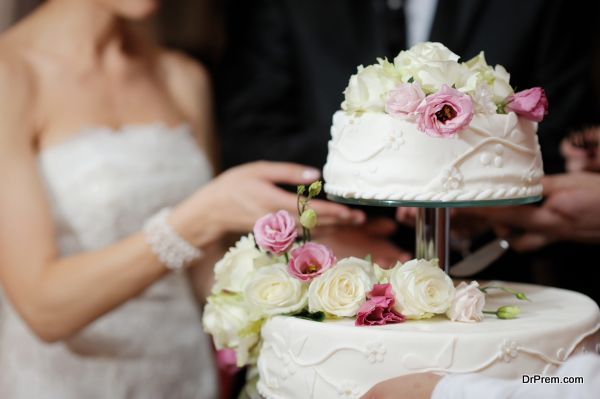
{"points": [[531, 104]]}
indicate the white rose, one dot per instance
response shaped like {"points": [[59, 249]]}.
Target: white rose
{"points": [[501, 86], [467, 304], [498, 79], [367, 88], [483, 99], [423, 53], [431, 65], [237, 264], [421, 289], [227, 318], [341, 290], [271, 290]]}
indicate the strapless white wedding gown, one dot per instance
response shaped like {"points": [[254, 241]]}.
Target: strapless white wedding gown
{"points": [[102, 186]]}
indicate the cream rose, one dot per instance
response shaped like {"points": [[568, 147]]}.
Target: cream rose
{"points": [[271, 290], [431, 65], [342, 289], [467, 304], [421, 289], [227, 318], [367, 89], [238, 263], [497, 79], [483, 99]]}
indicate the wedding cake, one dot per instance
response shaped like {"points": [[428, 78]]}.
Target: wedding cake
{"points": [[302, 359], [423, 128], [426, 127]]}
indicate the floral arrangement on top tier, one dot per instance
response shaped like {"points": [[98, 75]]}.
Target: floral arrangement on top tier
{"points": [[428, 85], [276, 271]]}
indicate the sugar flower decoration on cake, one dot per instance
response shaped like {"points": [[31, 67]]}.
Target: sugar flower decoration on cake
{"points": [[468, 303], [445, 113], [427, 83], [271, 290], [238, 263], [341, 290], [378, 309], [227, 318], [421, 289], [310, 260], [275, 232], [280, 271], [403, 100], [531, 104]]}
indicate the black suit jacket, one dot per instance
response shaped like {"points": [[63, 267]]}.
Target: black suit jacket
{"points": [[288, 61]]}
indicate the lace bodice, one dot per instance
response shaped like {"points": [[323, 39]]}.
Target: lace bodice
{"points": [[102, 185]]}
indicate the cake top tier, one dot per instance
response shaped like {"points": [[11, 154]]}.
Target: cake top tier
{"points": [[429, 86]]}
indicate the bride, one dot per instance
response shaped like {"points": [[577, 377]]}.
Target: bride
{"points": [[100, 131]]}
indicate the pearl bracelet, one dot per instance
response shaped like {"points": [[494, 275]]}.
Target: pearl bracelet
{"points": [[173, 251]]}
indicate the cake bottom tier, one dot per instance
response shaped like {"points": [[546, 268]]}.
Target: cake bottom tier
{"points": [[334, 359]]}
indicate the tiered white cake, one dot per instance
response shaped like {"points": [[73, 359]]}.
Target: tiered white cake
{"points": [[428, 128], [303, 359], [376, 156]]}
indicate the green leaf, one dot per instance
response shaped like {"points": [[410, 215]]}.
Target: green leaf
{"points": [[305, 314], [411, 80]]}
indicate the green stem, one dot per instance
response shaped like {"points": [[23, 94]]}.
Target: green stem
{"points": [[507, 290], [489, 312]]}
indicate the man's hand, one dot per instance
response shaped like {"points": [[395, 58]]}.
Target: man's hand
{"points": [[412, 386], [570, 212], [360, 241]]}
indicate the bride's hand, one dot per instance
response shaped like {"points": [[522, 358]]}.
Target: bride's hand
{"points": [[234, 200]]}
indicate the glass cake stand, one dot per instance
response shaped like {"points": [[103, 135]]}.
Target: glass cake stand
{"points": [[433, 221]]}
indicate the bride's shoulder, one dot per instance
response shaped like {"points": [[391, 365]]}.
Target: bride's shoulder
{"points": [[188, 81], [17, 82], [15, 70], [183, 71]]}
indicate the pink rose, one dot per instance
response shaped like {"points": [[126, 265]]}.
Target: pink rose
{"points": [[226, 361], [467, 304], [275, 232], [310, 260], [531, 104], [403, 100], [377, 310], [444, 113]]}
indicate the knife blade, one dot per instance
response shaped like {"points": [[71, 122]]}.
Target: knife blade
{"points": [[480, 259]]}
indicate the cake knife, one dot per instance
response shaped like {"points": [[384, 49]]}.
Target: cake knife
{"points": [[480, 259]]}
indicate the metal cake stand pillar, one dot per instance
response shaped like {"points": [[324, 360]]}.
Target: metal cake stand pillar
{"points": [[433, 221], [432, 235]]}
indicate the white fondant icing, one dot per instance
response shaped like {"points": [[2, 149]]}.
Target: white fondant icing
{"points": [[338, 359], [410, 165]]}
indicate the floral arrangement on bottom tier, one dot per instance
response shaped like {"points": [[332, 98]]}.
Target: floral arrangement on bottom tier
{"points": [[276, 271]]}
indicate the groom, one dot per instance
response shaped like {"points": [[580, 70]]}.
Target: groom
{"points": [[288, 61]]}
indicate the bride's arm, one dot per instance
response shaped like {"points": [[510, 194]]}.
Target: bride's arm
{"points": [[59, 296], [55, 296]]}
